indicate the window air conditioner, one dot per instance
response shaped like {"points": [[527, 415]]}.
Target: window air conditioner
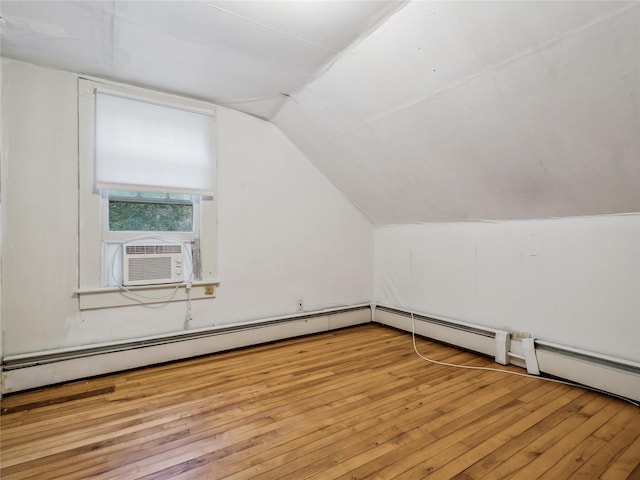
{"points": [[151, 264]]}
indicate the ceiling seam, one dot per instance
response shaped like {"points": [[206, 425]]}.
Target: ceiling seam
{"points": [[514, 58], [506, 104], [266, 27], [332, 61], [227, 50], [113, 32]]}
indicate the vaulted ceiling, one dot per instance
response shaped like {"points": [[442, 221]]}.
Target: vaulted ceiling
{"points": [[418, 112]]}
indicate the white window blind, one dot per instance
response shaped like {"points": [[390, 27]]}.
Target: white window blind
{"points": [[147, 147]]}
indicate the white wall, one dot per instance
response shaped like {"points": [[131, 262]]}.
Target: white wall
{"points": [[39, 249], [284, 231], [2, 202], [573, 281]]}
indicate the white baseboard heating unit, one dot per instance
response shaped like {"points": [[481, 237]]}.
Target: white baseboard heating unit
{"points": [[603, 372], [609, 374], [33, 370], [479, 339]]}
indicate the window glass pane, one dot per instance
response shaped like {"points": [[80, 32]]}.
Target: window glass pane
{"points": [[123, 193], [152, 195], [179, 196], [150, 212], [150, 217], [145, 196]]}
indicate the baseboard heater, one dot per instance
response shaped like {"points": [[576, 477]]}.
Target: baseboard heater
{"points": [[609, 374], [606, 373], [471, 337], [33, 370]]}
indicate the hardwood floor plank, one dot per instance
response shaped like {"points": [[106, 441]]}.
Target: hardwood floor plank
{"points": [[347, 404], [295, 424], [386, 417], [54, 400], [566, 467], [635, 474], [425, 464], [487, 440], [517, 435], [176, 396], [556, 447], [625, 464]]}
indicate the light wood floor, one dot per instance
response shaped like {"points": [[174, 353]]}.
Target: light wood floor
{"points": [[350, 404]]}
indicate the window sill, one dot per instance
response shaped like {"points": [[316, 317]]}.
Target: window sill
{"points": [[105, 297]]}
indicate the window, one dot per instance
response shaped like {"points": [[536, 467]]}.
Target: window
{"points": [[140, 217], [147, 175], [149, 211]]}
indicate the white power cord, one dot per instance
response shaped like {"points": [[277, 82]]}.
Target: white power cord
{"points": [[324, 305], [158, 302], [188, 318], [490, 369]]}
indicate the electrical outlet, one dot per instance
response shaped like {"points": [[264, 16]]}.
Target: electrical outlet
{"points": [[300, 304]]}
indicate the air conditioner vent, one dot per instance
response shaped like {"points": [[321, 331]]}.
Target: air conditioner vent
{"points": [[149, 268], [153, 249], [150, 264]]}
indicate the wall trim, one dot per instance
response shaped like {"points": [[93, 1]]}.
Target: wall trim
{"points": [[485, 340], [467, 327], [584, 355], [32, 370], [609, 374], [38, 369]]}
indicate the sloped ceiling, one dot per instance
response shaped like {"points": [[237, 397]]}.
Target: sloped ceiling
{"points": [[249, 55], [431, 111], [482, 110]]}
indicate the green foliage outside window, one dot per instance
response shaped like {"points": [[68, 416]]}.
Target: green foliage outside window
{"points": [[150, 212]]}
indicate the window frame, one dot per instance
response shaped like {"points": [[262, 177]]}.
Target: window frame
{"points": [[117, 237], [122, 235], [94, 213]]}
